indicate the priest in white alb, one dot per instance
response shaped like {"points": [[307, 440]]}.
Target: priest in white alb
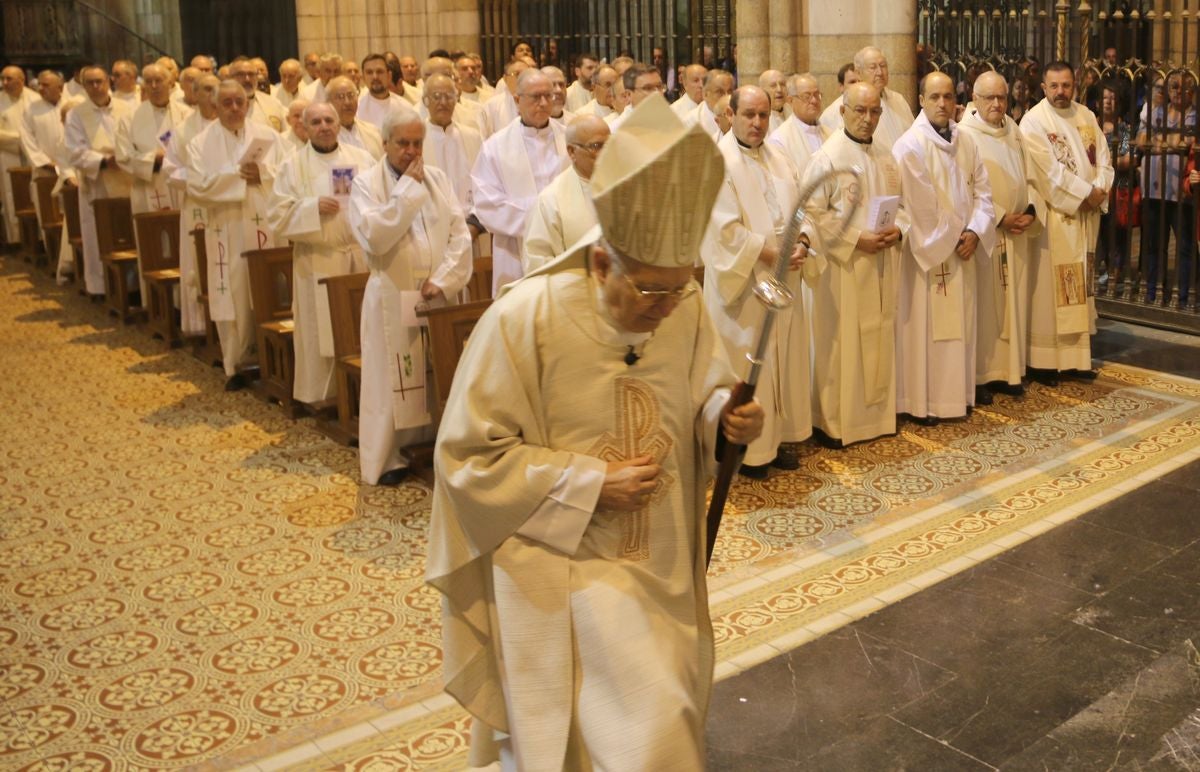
{"points": [[90, 135], [579, 93], [449, 145], [741, 249], [718, 84], [501, 110], [261, 108], [949, 206], [42, 142], [231, 168], [601, 106], [692, 87], [1003, 275], [563, 213], [418, 249], [854, 300], [343, 95], [378, 100], [567, 533], [801, 134], [15, 100], [871, 66], [1073, 173], [514, 166], [309, 206]]}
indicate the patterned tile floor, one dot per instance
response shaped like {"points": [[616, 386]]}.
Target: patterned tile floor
{"points": [[190, 579]]}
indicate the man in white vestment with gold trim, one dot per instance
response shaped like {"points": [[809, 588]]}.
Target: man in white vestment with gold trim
{"points": [[568, 529], [1073, 173], [407, 218]]}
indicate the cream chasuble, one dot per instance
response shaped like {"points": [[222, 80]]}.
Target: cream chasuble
{"points": [[897, 117], [191, 216], [375, 111], [90, 135], [854, 299], [562, 215], [498, 113], [265, 109], [237, 223], [945, 192], [577, 96], [513, 167], [322, 246], [1069, 157], [760, 193], [684, 107], [602, 645], [409, 232], [453, 149], [363, 136], [1003, 275], [798, 141], [595, 108], [707, 120]]}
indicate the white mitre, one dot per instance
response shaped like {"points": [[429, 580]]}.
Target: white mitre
{"points": [[654, 186]]}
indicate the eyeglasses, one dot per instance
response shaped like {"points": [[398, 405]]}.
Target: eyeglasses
{"points": [[543, 97], [652, 88], [650, 296], [990, 97], [809, 96], [347, 96], [592, 147], [443, 98]]}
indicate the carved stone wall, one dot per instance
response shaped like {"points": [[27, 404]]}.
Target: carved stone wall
{"points": [[355, 28]]}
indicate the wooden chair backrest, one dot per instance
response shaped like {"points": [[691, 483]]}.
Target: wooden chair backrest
{"points": [[270, 283], [449, 328], [21, 178], [114, 224], [480, 285], [158, 239], [70, 205], [345, 311], [51, 214]]}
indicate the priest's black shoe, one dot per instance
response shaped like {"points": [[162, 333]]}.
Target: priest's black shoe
{"points": [[393, 476], [825, 441], [236, 382], [785, 461], [982, 396], [1081, 375], [1044, 377], [925, 420], [1012, 390], [755, 472]]}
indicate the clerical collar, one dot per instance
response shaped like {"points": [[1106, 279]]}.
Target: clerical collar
{"points": [[325, 152], [856, 139], [945, 133], [534, 131]]}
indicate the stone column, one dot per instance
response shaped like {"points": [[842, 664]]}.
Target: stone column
{"points": [[355, 28], [820, 36]]}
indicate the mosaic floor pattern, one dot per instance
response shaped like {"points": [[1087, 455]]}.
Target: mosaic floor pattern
{"points": [[190, 579]]}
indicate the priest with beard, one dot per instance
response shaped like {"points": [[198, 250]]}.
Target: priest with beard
{"points": [[309, 208]]}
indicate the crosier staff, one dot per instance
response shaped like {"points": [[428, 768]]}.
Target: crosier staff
{"points": [[775, 296]]}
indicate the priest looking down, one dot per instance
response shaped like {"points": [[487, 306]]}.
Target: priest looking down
{"points": [[418, 248], [949, 205], [563, 212], [854, 300], [1073, 173], [309, 206], [761, 191], [567, 532], [514, 166]]}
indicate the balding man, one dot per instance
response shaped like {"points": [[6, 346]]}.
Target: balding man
{"points": [[379, 100], [516, 164], [311, 67], [186, 95], [1073, 174], [231, 167], [329, 66], [563, 212], [204, 64], [418, 248], [741, 249], [580, 92], [42, 138], [558, 108], [90, 136], [1003, 273], [309, 206], [141, 145], [949, 205], [296, 136], [854, 300], [471, 87], [410, 73], [14, 101], [601, 106], [717, 84], [450, 145], [262, 108], [500, 111], [640, 82], [171, 67], [352, 71], [693, 91], [192, 318], [801, 134], [871, 66], [125, 82], [343, 95], [774, 83], [290, 82]]}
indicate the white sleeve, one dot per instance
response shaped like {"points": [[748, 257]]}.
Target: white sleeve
{"points": [[561, 519]]}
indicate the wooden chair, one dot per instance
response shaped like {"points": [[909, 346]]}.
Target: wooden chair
{"points": [[21, 178], [52, 219], [345, 315], [271, 295], [118, 255], [480, 285], [73, 232], [449, 328], [158, 249], [207, 348]]}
